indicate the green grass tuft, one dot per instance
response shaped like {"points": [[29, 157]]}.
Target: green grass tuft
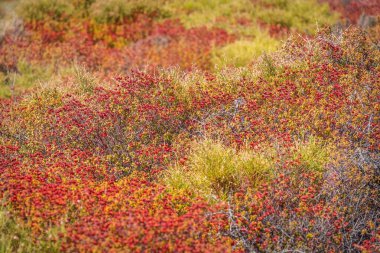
{"points": [[300, 15], [32, 10], [116, 11], [243, 52], [214, 170], [313, 155], [16, 238]]}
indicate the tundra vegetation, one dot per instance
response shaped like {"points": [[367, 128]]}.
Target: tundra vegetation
{"points": [[189, 126]]}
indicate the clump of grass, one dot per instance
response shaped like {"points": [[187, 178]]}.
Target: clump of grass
{"points": [[267, 66], [230, 79], [85, 80], [242, 52], [116, 11], [194, 13], [26, 76], [214, 170], [5, 86], [73, 77], [187, 84], [32, 10], [299, 15], [15, 237], [313, 154]]}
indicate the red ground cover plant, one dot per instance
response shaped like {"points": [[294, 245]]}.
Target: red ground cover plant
{"points": [[354, 9], [318, 98], [173, 45], [90, 159], [101, 213], [300, 210], [111, 47]]}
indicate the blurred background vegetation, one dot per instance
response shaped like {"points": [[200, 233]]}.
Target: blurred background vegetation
{"points": [[256, 27]]}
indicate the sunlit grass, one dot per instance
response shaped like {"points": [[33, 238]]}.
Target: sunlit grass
{"points": [[16, 238], [214, 170], [242, 52]]}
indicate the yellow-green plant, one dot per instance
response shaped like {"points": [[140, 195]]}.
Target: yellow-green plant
{"points": [[214, 170], [194, 13], [5, 86], [14, 237], [299, 15], [84, 79], [187, 84], [32, 10], [114, 11], [313, 154], [27, 76], [243, 52]]}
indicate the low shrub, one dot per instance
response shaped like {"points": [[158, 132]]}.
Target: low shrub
{"points": [[301, 212]]}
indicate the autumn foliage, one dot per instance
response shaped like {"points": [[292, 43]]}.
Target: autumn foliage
{"points": [[143, 146]]}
